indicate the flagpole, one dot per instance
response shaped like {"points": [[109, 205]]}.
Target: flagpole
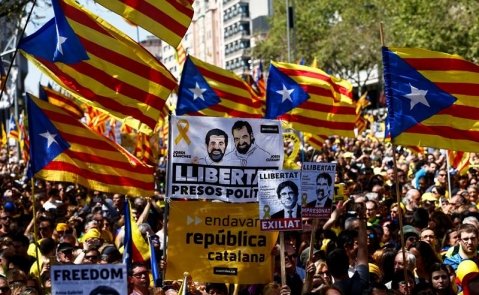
{"points": [[398, 196], [287, 31], [167, 197], [282, 258], [308, 281], [35, 230], [448, 167]]}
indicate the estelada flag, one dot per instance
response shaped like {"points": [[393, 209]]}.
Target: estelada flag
{"points": [[167, 19], [432, 99], [100, 65], [63, 149], [208, 90], [310, 100]]}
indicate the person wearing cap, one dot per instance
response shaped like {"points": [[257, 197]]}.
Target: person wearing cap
{"points": [[91, 241], [411, 235], [468, 243], [110, 255], [65, 253], [429, 201], [60, 230]]}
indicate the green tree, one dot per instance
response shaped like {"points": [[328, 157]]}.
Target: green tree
{"points": [[344, 36]]}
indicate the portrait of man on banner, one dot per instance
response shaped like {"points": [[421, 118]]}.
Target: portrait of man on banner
{"points": [[279, 202], [324, 191], [246, 150], [216, 141], [288, 193], [317, 189]]}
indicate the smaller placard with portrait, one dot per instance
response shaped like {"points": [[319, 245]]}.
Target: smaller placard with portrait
{"points": [[317, 189], [279, 202]]}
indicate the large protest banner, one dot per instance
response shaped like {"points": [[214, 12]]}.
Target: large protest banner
{"points": [[218, 242], [317, 189], [279, 202], [89, 279], [219, 158]]}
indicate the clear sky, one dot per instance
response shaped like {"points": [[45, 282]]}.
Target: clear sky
{"points": [[34, 75]]}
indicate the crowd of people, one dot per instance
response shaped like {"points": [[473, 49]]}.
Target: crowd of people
{"points": [[426, 243]]}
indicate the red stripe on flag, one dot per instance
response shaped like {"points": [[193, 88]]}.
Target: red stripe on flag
{"points": [[88, 174], [104, 101], [445, 131], [442, 64], [156, 14], [127, 63], [347, 126], [300, 73]]}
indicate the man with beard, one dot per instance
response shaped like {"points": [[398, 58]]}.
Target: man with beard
{"points": [[216, 142], [324, 191], [247, 153], [468, 242]]}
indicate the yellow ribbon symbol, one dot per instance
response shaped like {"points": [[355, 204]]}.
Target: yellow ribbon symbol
{"points": [[266, 211], [183, 126]]}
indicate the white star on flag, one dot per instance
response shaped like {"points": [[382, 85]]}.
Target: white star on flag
{"points": [[285, 93], [60, 42], [50, 138], [417, 96], [197, 92]]}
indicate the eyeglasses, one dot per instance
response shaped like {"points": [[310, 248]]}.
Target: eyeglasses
{"points": [[4, 289], [140, 274], [67, 252]]}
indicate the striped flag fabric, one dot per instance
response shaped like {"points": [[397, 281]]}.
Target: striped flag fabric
{"points": [[211, 91], [144, 150], [63, 149], [4, 134], [167, 19], [459, 161], [432, 99], [316, 141], [259, 79], [13, 128], [306, 97], [96, 120], [135, 248], [181, 55], [24, 139], [100, 65], [60, 100]]}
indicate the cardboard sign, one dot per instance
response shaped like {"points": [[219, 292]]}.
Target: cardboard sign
{"points": [[218, 242]]}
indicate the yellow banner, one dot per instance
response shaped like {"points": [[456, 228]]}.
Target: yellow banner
{"points": [[218, 242]]}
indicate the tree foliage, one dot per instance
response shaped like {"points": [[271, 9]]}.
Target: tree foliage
{"points": [[344, 36]]}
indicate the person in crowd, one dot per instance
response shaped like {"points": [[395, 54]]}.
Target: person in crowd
{"points": [[468, 243], [138, 279]]}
